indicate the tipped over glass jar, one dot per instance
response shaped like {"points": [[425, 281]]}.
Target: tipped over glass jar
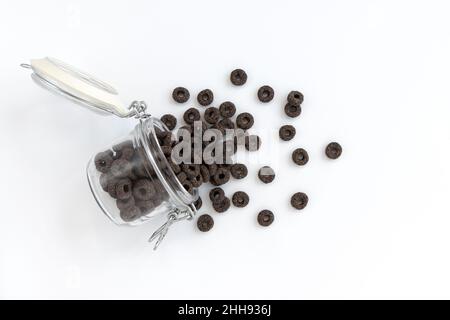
{"points": [[133, 181]]}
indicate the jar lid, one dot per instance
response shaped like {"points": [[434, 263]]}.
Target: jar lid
{"points": [[78, 86]]}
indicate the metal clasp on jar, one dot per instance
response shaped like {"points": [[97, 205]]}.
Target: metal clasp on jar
{"points": [[174, 216]]}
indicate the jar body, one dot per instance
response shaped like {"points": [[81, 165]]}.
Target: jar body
{"points": [[133, 180]]}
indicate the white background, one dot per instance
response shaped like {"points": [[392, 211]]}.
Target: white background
{"points": [[375, 75]]}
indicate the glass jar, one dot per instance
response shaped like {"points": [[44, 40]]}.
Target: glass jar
{"points": [[132, 180]]}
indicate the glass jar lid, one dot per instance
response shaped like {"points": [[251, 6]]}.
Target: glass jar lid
{"points": [[78, 86]]}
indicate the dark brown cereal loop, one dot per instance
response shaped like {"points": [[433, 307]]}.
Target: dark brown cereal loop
{"points": [[221, 176], [157, 202], [245, 121], [187, 185], [333, 150], [121, 168], [265, 218], [126, 153], [191, 115], [295, 97], [205, 97], [130, 214], [111, 188], [146, 205], [160, 133], [287, 132], [191, 170], [180, 94], [265, 94], [221, 205], [213, 182], [239, 171], [168, 139], [120, 146], [198, 203], [299, 200], [103, 161], [212, 169], [125, 204], [124, 150], [170, 121], [164, 137], [238, 77], [205, 223], [196, 181], [292, 110], [216, 194], [139, 169], [167, 151], [204, 171], [123, 189], [240, 199], [143, 189], [227, 109], [226, 123], [266, 174], [212, 115], [219, 127], [252, 142], [300, 156]]}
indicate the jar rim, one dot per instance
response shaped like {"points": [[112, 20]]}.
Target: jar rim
{"points": [[147, 127]]}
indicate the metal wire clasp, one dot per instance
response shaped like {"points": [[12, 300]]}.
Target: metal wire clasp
{"points": [[139, 109], [174, 216]]}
